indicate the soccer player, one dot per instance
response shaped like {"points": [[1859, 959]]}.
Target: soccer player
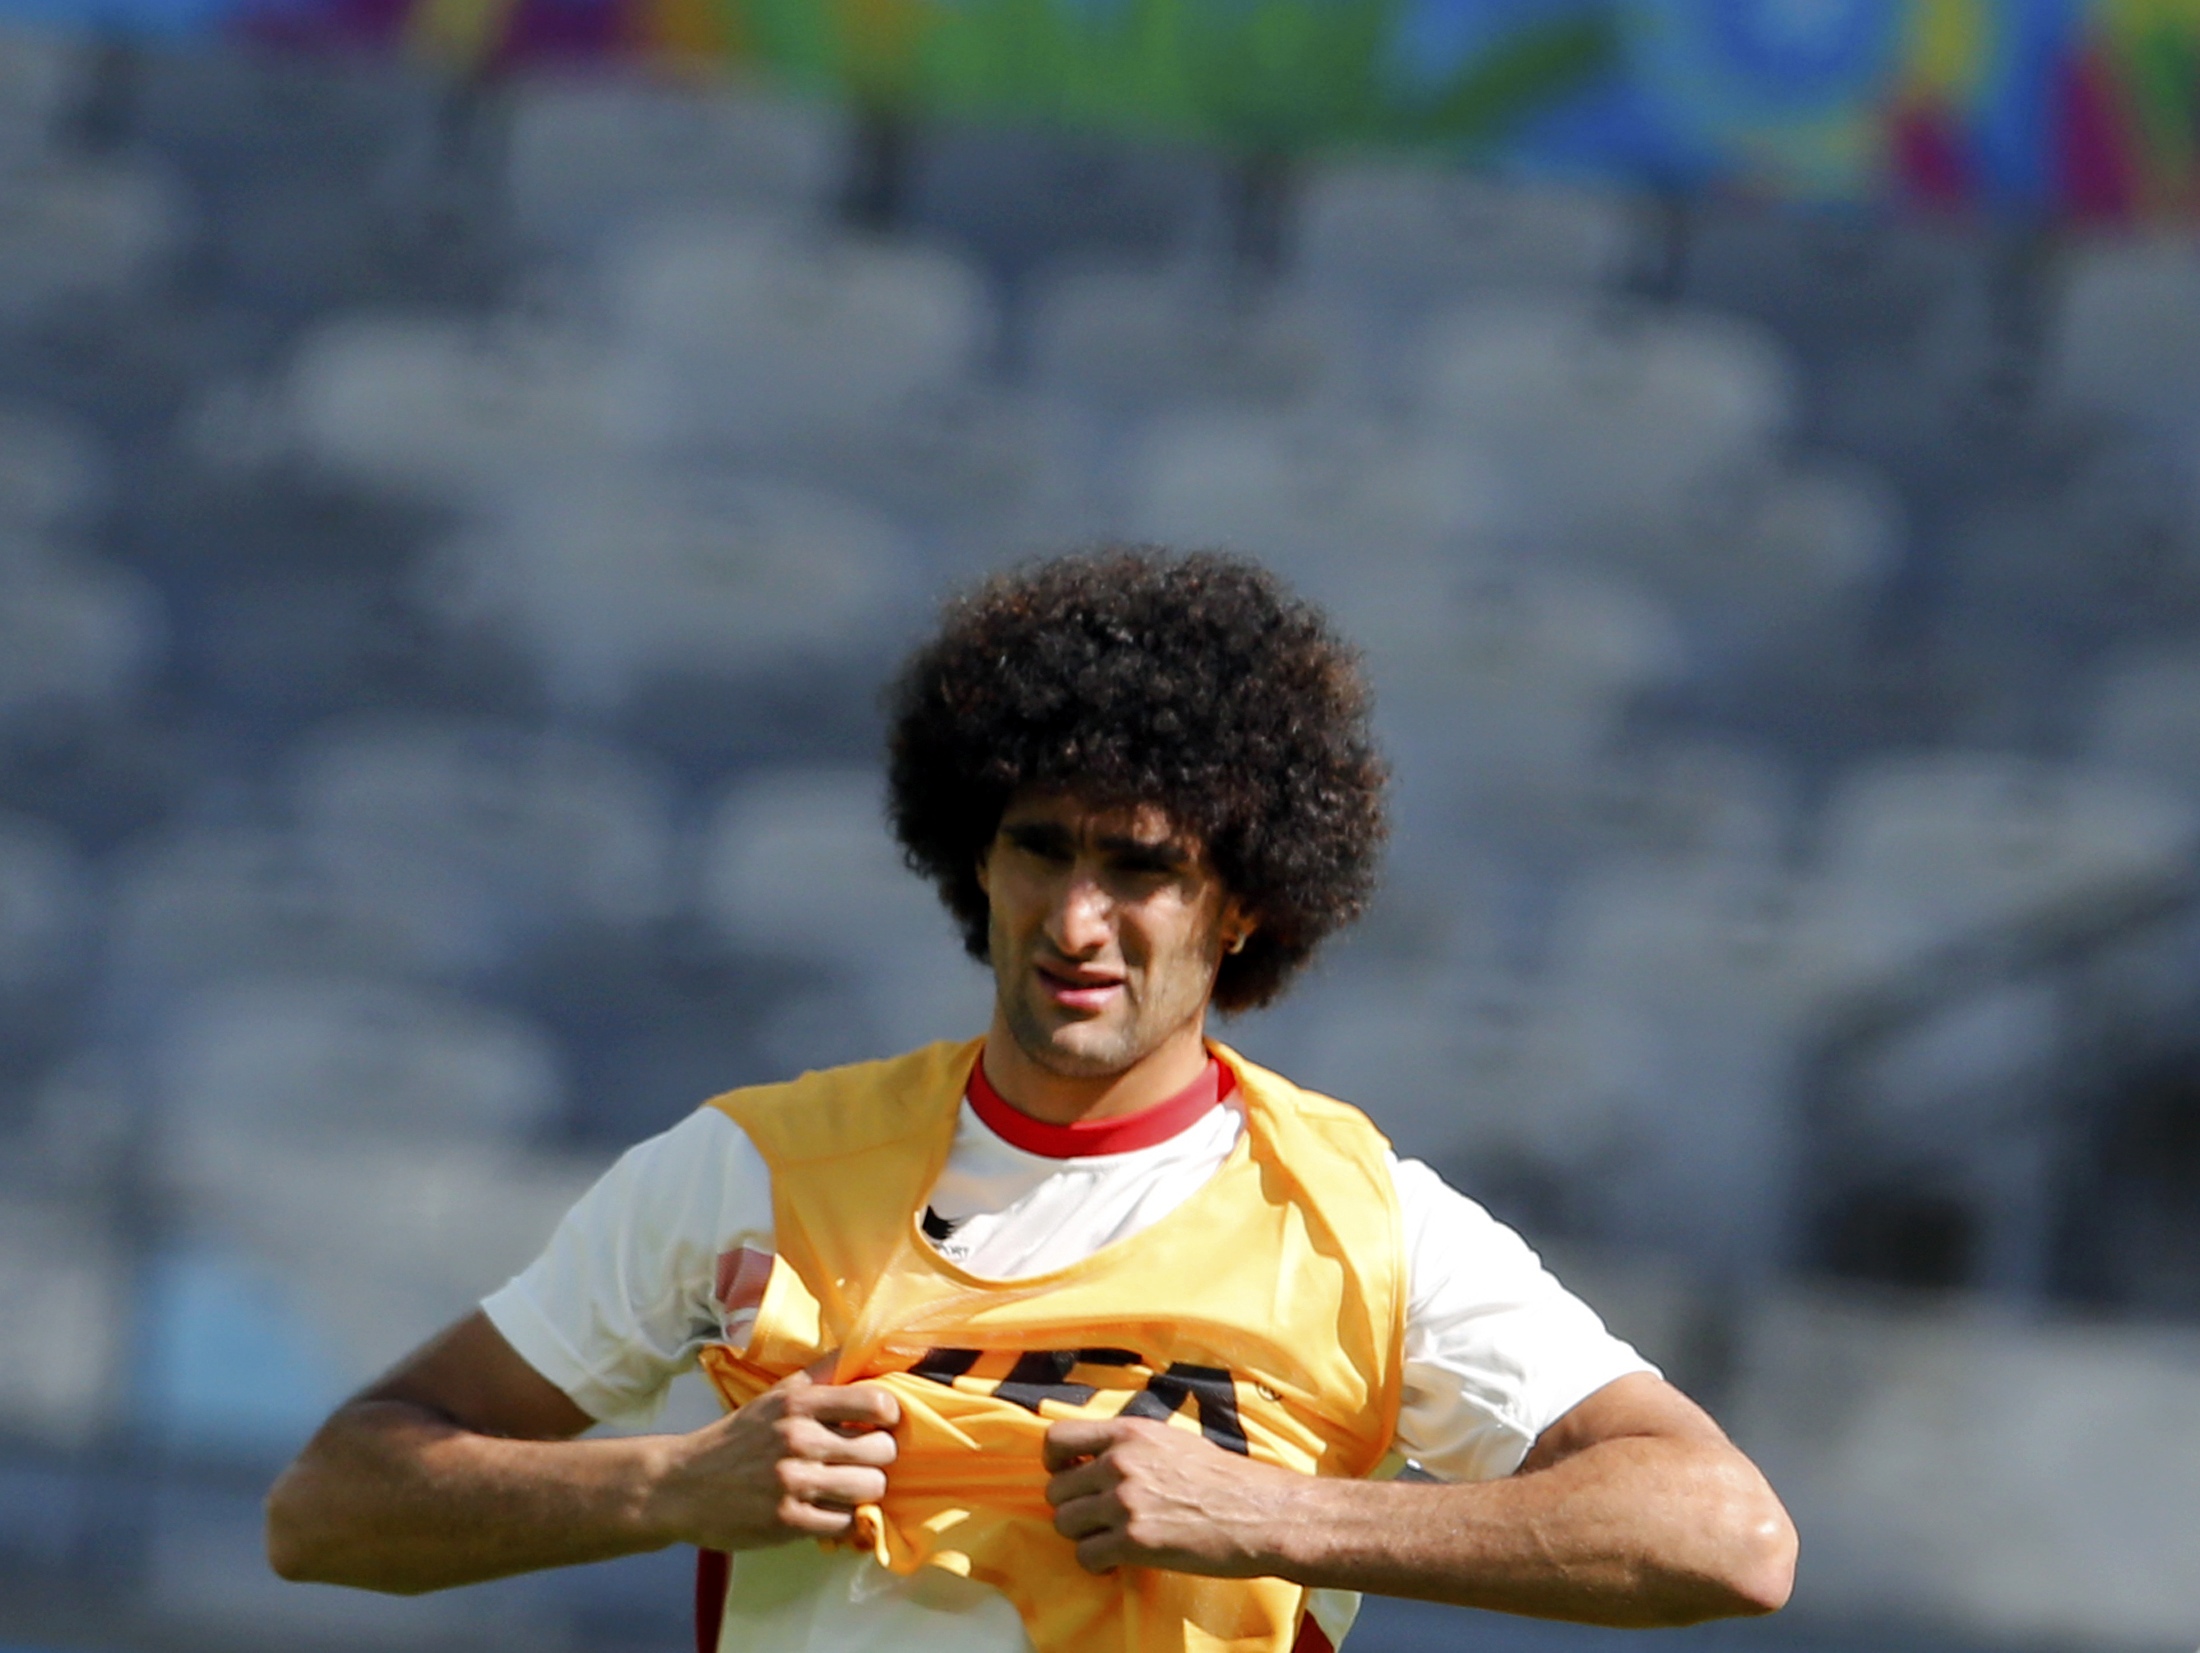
{"points": [[1089, 1334]]}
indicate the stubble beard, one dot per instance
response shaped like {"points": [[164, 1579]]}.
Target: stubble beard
{"points": [[1035, 1037], [1103, 1051]]}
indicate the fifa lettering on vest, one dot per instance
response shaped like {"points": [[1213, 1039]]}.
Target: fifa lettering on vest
{"points": [[1044, 1374]]}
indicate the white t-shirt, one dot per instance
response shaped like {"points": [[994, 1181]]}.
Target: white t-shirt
{"points": [[669, 1250]]}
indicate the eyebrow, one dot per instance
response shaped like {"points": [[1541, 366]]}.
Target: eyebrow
{"points": [[1169, 854]]}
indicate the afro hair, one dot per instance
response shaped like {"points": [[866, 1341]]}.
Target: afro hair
{"points": [[1195, 683]]}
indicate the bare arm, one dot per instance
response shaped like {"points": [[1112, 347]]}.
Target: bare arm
{"points": [[1632, 1510], [460, 1466]]}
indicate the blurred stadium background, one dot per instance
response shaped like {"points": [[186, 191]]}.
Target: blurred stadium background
{"points": [[464, 471]]}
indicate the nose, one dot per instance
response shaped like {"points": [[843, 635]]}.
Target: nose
{"points": [[1083, 918]]}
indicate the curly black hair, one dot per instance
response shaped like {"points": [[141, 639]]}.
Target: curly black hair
{"points": [[1132, 675]]}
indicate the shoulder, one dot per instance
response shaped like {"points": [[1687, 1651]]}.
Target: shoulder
{"points": [[681, 1178], [1444, 1227], [1473, 1278], [834, 1113], [1294, 1106]]}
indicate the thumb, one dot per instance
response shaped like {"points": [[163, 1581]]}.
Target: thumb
{"points": [[793, 1383]]}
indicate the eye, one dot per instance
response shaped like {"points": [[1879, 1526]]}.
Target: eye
{"points": [[1145, 866], [1041, 842]]}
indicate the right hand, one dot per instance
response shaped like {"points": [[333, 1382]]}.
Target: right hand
{"points": [[793, 1463]]}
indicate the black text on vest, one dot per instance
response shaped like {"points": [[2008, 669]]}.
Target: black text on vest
{"points": [[1044, 1374]]}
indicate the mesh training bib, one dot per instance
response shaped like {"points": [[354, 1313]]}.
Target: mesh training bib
{"points": [[1265, 1313]]}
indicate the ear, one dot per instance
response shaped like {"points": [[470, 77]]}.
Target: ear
{"points": [[1237, 926]]}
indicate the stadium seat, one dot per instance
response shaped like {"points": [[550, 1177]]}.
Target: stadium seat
{"points": [[797, 864], [65, 1293], [379, 1241], [1925, 1447], [1603, 416], [746, 334], [71, 229], [207, 901], [1696, 805], [983, 473], [589, 155], [1690, 956], [1134, 336], [75, 634], [1632, 1038], [44, 73], [2125, 337], [612, 578], [1390, 1039], [2068, 558], [1505, 685], [1403, 232], [1948, 1092], [52, 473], [1757, 553], [477, 841], [1932, 857], [225, 114], [302, 1061], [442, 405], [1834, 281], [46, 905], [2146, 718], [1023, 196], [1332, 499]]}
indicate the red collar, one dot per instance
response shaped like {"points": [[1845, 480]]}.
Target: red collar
{"points": [[1119, 1135]]}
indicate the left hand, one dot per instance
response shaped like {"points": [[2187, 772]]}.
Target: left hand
{"points": [[1135, 1492]]}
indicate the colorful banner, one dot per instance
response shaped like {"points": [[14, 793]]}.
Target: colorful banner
{"points": [[2071, 108]]}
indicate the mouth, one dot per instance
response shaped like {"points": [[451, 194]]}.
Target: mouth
{"points": [[1076, 989]]}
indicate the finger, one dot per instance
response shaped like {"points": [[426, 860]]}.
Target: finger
{"points": [[1073, 1439], [820, 1443], [864, 1405], [831, 1486], [1080, 1518], [1082, 1479], [1103, 1552], [813, 1522]]}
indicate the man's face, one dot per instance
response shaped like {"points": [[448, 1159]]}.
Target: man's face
{"points": [[1107, 927]]}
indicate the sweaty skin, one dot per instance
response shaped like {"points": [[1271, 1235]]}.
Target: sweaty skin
{"points": [[1107, 928], [1633, 1510], [461, 1466]]}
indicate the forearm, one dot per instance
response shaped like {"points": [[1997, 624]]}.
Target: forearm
{"points": [[389, 1496], [1639, 1532]]}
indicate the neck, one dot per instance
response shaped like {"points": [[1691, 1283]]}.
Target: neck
{"points": [[1068, 1099]]}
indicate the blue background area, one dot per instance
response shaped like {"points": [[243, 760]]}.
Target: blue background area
{"points": [[156, 19], [228, 1368]]}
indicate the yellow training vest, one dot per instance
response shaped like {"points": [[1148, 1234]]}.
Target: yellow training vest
{"points": [[1266, 1312]]}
